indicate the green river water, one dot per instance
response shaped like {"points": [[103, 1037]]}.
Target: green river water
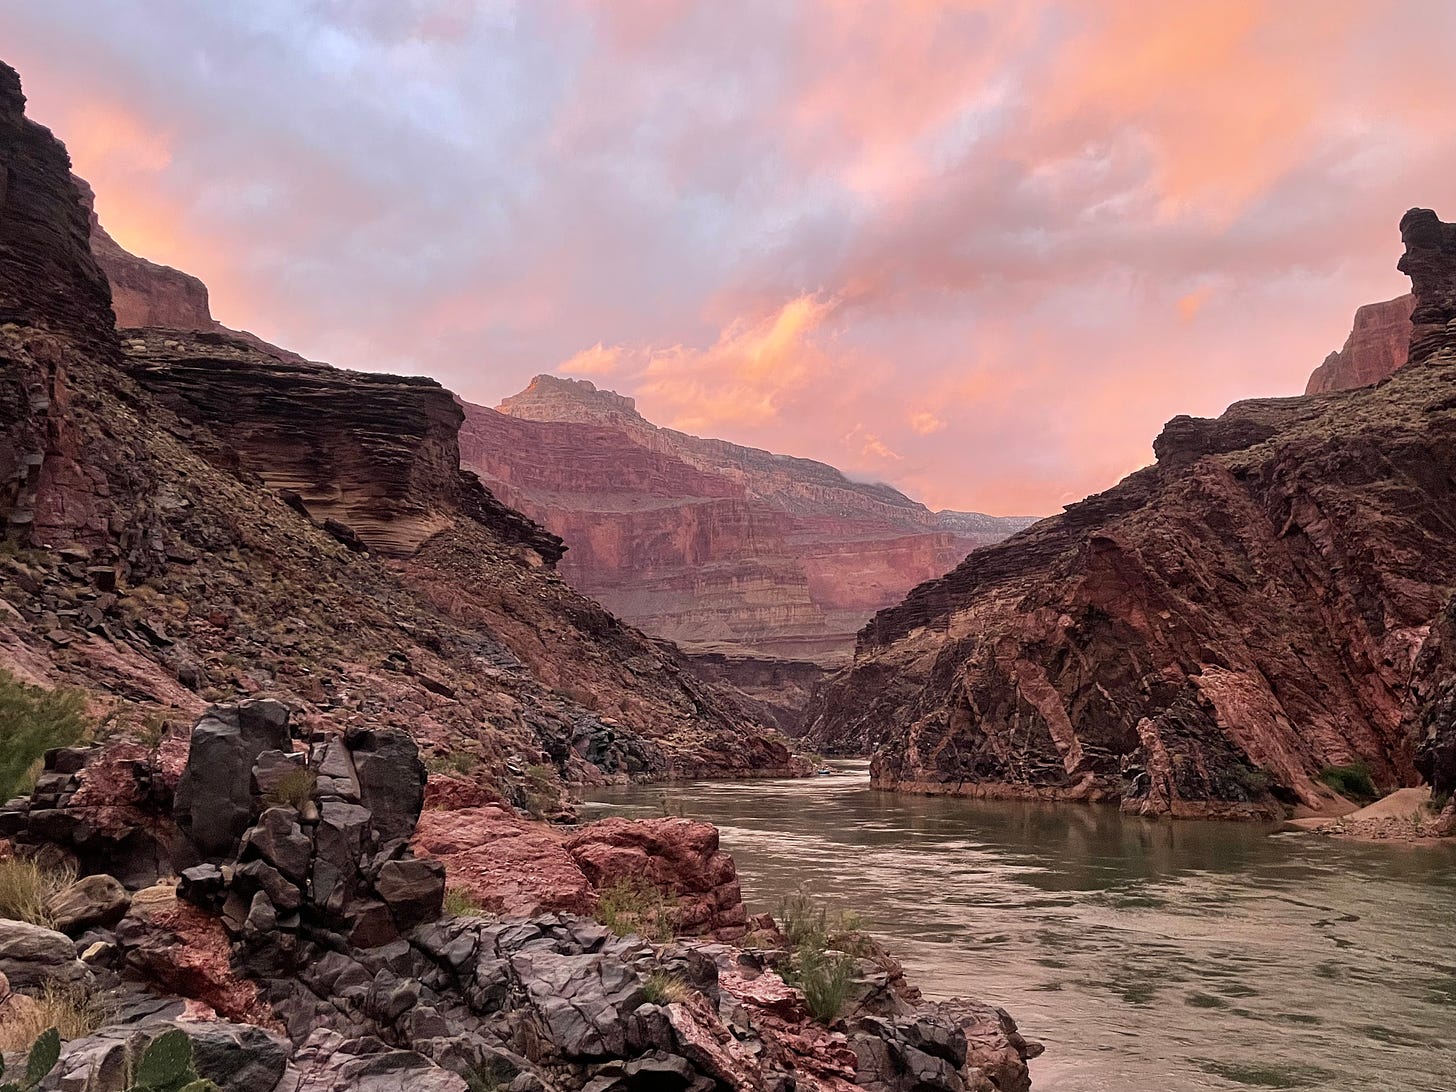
{"points": [[1149, 956]]}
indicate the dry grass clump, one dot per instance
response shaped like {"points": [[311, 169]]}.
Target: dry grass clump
{"points": [[461, 903], [26, 887], [636, 906], [662, 988], [74, 1011], [294, 789]]}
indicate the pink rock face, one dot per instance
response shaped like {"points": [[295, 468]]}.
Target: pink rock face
{"points": [[508, 866], [723, 549], [1204, 638], [680, 856], [512, 866], [1377, 346]]}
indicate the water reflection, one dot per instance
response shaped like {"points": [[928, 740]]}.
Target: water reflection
{"points": [[1149, 956]]}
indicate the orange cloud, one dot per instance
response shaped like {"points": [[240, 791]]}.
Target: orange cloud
{"points": [[925, 423], [743, 378]]}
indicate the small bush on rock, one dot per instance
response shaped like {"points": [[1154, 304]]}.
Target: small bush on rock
{"points": [[665, 989], [635, 906], [825, 977], [461, 903], [826, 949], [294, 788], [71, 1011], [26, 887], [32, 721], [1352, 781], [45, 1052]]}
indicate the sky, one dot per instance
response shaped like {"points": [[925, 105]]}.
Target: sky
{"points": [[981, 251]]}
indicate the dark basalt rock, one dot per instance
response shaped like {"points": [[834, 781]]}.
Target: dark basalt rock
{"points": [[215, 801]]}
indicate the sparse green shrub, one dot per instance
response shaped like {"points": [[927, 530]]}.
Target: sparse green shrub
{"points": [[826, 949], [461, 903], [32, 721], [1352, 781], [1438, 801], [45, 1052], [662, 988], [456, 763], [26, 887], [634, 905], [166, 1066], [72, 1011], [294, 789], [808, 922], [542, 795], [486, 1078], [825, 977], [1254, 782]]}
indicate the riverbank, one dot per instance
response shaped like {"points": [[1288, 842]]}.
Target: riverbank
{"points": [[1146, 955], [1403, 817]]}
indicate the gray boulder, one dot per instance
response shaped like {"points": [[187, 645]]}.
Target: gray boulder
{"points": [[214, 801], [31, 956], [94, 900], [391, 779], [327, 1062]]}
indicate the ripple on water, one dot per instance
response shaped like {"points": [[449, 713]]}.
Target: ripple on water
{"points": [[1149, 956]]}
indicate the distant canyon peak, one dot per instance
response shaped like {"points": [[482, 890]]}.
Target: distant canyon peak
{"points": [[726, 550]]}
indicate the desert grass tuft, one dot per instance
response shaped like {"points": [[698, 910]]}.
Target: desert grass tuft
{"points": [[74, 1011], [26, 887]]}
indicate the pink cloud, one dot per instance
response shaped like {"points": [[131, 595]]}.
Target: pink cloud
{"points": [[980, 250]]}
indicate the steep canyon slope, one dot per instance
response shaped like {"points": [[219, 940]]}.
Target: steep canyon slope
{"points": [[761, 565], [1211, 633], [191, 516]]}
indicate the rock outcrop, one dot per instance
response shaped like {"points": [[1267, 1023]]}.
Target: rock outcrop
{"points": [[144, 293], [308, 948], [197, 519], [1376, 348], [726, 550], [1208, 635], [376, 454]]}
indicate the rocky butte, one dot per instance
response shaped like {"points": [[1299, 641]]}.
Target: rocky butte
{"points": [[1270, 598], [1376, 348], [760, 566], [329, 678]]}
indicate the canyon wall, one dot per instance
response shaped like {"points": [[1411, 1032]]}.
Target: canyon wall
{"points": [[1208, 635], [193, 518], [732, 552], [1377, 346]]}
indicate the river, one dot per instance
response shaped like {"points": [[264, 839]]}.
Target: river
{"points": [[1149, 956]]}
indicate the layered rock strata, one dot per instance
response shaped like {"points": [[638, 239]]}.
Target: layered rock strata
{"points": [[1211, 633], [1377, 348], [196, 519], [729, 551]]}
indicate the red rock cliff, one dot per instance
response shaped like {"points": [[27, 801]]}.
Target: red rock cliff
{"points": [[1376, 348], [1206, 636], [729, 551]]}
